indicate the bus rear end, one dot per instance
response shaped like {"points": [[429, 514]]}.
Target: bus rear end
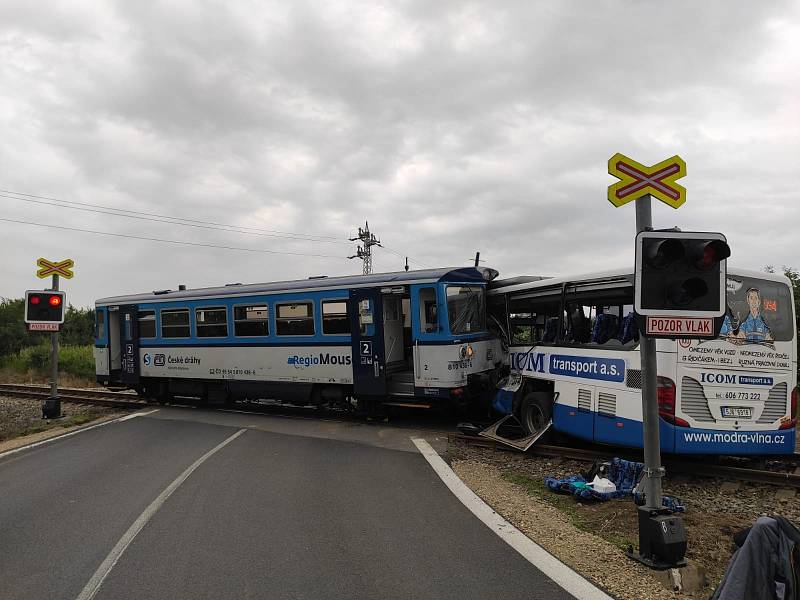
{"points": [[737, 394]]}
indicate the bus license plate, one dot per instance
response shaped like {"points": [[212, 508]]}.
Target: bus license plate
{"points": [[737, 412]]}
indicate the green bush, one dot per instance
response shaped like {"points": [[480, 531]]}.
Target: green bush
{"points": [[75, 360]]}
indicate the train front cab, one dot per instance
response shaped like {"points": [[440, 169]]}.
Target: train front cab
{"points": [[423, 343]]}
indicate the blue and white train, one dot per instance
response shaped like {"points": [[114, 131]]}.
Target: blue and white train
{"points": [[574, 350], [415, 338]]}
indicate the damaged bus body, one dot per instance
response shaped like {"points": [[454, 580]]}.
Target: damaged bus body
{"points": [[575, 366]]}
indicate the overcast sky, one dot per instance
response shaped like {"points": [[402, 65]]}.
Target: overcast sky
{"points": [[452, 127]]}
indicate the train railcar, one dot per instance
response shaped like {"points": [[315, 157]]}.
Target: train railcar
{"points": [[413, 338], [574, 347]]}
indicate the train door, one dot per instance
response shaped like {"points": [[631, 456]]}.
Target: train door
{"points": [[393, 331], [129, 343], [114, 346], [369, 364]]}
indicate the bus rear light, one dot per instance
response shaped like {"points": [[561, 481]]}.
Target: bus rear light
{"points": [[791, 423], [665, 391]]}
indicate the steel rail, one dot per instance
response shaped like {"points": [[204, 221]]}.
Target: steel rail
{"points": [[77, 396]]}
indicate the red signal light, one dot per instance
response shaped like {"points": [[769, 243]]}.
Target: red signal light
{"points": [[55, 300], [34, 300]]}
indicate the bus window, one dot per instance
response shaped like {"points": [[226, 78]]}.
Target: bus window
{"points": [[759, 311], [429, 312]]}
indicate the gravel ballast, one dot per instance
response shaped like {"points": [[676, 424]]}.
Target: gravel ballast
{"points": [[22, 417]]}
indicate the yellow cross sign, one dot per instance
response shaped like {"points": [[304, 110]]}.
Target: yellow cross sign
{"points": [[48, 268], [636, 180]]}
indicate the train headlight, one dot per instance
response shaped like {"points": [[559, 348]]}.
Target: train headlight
{"points": [[462, 352], [470, 351]]}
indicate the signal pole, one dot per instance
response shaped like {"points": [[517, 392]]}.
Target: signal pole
{"points": [[364, 251]]}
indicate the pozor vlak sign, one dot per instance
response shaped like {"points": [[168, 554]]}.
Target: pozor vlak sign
{"points": [[680, 283]]}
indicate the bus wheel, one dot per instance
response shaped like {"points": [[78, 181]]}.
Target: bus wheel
{"points": [[536, 410]]}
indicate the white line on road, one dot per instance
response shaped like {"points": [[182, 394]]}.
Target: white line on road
{"points": [[568, 579], [76, 432], [105, 567]]}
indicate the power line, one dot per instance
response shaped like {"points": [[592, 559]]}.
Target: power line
{"points": [[401, 255], [158, 220], [116, 212], [186, 222], [166, 241]]}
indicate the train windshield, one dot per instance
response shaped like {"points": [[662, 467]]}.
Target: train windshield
{"points": [[466, 307], [759, 311]]}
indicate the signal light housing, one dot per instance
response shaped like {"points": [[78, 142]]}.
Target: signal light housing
{"points": [[681, 274], [44, 306]]}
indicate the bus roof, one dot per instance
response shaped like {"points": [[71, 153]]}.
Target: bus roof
{"points": [[455, 274], [509, 286]]}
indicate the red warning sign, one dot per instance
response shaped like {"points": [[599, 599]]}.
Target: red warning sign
{"points": [[681, 326]]}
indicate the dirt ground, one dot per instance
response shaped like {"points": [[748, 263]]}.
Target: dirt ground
{"points": [[714, 512], [21, 417], [32, 377]]}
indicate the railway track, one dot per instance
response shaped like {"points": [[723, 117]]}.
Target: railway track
{"points": [[97, 397], [697, 467]]}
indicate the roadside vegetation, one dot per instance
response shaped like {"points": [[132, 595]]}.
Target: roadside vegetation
{"points": [[25, 356]]}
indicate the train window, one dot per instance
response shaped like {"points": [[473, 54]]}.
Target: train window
{"points": [[251, 320], [147, 323], [429, 313], [294, 318], [334, 318], [99, 324], [466, 307], [211, 322], [175, 323]]}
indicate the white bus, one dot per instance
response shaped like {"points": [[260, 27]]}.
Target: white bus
{"points": [[574, 342]]}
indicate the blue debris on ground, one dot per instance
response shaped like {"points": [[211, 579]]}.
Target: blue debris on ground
{"points": [[625, 474]]}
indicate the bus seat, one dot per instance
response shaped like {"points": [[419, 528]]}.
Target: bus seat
{"points": [[580, 329], [605, 327], [550, 330], [629, 330]]}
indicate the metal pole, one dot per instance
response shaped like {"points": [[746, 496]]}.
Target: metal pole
{"points": [[647, 346], [55, 404]]}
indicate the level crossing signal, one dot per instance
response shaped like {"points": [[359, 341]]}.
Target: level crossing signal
{"points": [[680, 287], [44, 307]]}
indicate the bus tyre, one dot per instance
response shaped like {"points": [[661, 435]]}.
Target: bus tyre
{"points": [[536, 410]]}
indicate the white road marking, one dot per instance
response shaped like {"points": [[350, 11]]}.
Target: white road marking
{"points": [[569, 580], [105, 567], [76, 432]]}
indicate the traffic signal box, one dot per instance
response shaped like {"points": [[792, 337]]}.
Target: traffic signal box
{"points": [[680, 287], [44, 307]]}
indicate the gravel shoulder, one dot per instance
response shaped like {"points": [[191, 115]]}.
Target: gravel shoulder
{"points": [[21, 420], [591, 537]]}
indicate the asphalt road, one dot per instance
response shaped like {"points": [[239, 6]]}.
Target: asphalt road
{"points": [[272, 514]]}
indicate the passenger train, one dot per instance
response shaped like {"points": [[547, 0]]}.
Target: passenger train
{"points": [[412, 338], [575, 363]]}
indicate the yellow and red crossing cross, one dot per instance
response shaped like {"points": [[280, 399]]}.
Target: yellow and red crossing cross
{"points": [[48, 268], [637, 180]]}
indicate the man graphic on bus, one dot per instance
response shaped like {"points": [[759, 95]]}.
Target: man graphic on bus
{"points": [[753, 330]]}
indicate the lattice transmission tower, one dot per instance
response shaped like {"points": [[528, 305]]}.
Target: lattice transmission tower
{"points": [[364, 252]]}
